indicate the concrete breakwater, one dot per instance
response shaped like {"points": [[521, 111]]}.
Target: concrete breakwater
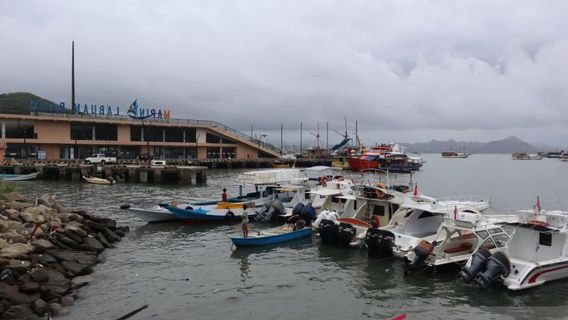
{"points": [[47, 251]]}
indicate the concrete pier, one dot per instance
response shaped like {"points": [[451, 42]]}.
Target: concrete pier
{"points": [[184, 175]]}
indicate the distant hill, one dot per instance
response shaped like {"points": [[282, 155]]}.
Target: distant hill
{"points": [[507, 145], [19, 102]]}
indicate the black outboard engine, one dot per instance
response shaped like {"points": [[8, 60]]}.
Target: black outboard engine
{"points": [[422, 251], [345, 234], [309, 213], [379, 242], [497, 265], [328, 231], [478, 261], [298, 209]]}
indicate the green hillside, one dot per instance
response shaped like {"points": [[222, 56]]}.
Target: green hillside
{"points": [[19, 102]]}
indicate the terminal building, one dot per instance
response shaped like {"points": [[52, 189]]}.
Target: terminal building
{"points": [[54, 136]]}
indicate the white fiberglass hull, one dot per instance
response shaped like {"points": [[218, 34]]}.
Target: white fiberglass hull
{"points": [[153, 215], [526, 274]]}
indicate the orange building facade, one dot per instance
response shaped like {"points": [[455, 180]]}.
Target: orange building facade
{"points": [[76, 136]]}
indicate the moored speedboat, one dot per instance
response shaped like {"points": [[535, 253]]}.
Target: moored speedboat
{"points": [[222, 211], [18, 177], [96, 180], [536, 253], [272, 236]]}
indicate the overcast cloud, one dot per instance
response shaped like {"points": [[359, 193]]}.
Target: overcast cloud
{"points": [[406, 70]]}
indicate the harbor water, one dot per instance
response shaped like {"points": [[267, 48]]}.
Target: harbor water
{"points": [[191, 271]]}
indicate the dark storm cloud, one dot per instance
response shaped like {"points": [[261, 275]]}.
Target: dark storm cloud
{"points": [[407, 70]]}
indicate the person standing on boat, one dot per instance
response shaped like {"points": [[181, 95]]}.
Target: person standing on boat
{"points": [[224, 195], [245, 220]]}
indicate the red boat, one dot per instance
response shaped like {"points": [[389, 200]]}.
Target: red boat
{"points": [[370, 159]]}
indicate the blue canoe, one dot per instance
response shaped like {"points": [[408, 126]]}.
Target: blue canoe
{"points": [[207, 213], [271, 237]]}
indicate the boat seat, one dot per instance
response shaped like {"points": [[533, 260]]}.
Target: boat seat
{"points": [[466, 246]]}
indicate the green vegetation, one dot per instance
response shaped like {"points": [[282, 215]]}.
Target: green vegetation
{"points": [[5, 188], [19, 102]]}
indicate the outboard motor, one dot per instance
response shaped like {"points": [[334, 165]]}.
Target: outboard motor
{"points": [[497, 265], [309, 212], [379, 242], [298, 209], [278, 207], [422, 252], [328, 231], [345, 234], [478, 261]]}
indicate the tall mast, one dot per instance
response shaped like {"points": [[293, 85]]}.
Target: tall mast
{"points": [[72, 75]]}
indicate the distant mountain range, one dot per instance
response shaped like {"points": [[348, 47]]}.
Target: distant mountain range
{"points": [[507, 145], [19, 102]]}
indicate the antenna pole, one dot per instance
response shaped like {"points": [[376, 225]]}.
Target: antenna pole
{"points": [[300, 137], [327, 135], [357, 134], [281, 137], [72, 75]]}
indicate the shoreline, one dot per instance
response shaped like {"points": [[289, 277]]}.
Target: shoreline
{"points": [[46, 252]]}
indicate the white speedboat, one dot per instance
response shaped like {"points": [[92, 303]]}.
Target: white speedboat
{"points": [[18, 177], [154, 214], [536, 253], [96, 180]]}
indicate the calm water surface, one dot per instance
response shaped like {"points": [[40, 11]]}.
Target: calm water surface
{"points": [[183, 271]]}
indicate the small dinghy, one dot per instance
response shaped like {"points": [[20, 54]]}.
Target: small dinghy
{"points": [[96, 180], [272, 236], [18, 177]]}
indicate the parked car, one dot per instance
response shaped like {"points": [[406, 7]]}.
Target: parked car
{"points": [[100, 158], [158, 162]]}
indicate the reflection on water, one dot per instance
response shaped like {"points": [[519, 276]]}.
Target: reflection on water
{"points": [[191, 271]]}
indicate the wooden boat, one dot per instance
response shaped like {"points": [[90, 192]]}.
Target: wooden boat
{"points": [[222, 211], [272, 236], [18, 177], [96, 180]]}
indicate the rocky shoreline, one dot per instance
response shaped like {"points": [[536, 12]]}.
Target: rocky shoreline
{"points": [[46, 252]]}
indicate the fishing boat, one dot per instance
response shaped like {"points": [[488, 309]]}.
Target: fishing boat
{"points": [[18, 177], [96, 180], [536, 253], [525, 156], [453, 154], [222, 211], [272, 236]]}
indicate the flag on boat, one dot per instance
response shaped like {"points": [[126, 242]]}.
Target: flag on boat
{"points": [[456, 213], [537, 207], [416, 189]]}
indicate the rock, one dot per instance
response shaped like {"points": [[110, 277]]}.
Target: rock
{"points": [[12, 294], [46, 200], [20, 206], [3, 226], [3, 243], [111, 236], [19, 312], [73, 235], [39, 306], [40, 275], [81, 281], [29, 286], [14, 196], [119, 233], [41, 245], [76, 256], [77, 269], [15, 250], [67, 301], [93, 244], [17, 238], [124, 229], [12, 214], [56, 286], [14, 225], [56, 309], [66, 241], [18, 266], [44, 259], [103, 240], [3, 262]]}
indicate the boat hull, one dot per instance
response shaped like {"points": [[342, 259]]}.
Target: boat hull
{"points": [[271, 239], [358, 164], [203, 215], [18, 177], [154, 215]]}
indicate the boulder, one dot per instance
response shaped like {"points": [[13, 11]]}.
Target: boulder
{"points": [[13, 295], [12, 214], [77, 269], [57, 309], [76, 256], [20, 206], [15, 250], [41, 245], [39, 306], [67, 301], [40, 275], [67, 242], [3, 243], [110, 236], [16, 238], [29, 287], [18, 266], [44, 259], [81, 281], [14, 196], [3, 226], [19, 312], [46, 200], [14, 225], [92, 244], [103, 240]]}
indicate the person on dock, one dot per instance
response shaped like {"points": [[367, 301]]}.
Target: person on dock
{"points": [[245, 220], [224, 195]]}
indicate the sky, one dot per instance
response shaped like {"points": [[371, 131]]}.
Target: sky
{"points": [[406, 71]]}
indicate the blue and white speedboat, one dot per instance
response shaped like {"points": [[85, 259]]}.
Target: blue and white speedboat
{"points": [[222, 211]]}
